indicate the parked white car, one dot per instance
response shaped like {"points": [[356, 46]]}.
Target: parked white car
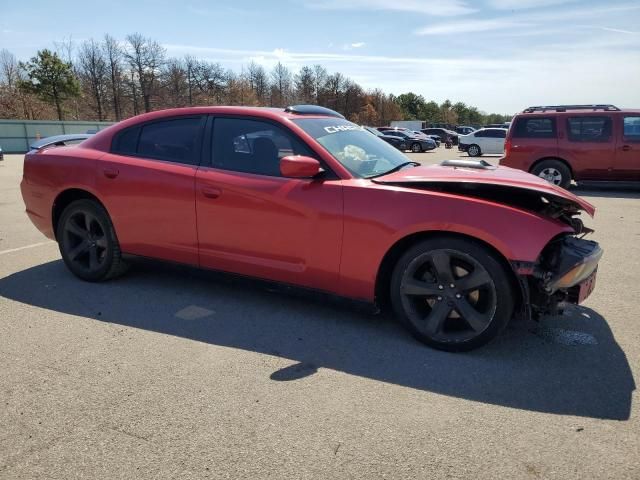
{"points": [[485, 140]]}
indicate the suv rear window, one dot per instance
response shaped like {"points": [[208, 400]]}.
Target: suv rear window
{"points": [[589, 129], [535, 127]]}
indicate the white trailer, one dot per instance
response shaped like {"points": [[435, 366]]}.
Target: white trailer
{"points": [[410, 124]]}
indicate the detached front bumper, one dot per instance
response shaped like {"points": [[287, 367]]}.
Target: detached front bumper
{"points": [[566, 274], [577, 260]]}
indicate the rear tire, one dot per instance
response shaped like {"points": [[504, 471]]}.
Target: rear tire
{"points": [[553, 171], [451, 293], [88, 242], [416, 148], [474, 150]]}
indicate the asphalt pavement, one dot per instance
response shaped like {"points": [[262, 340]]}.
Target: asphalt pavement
{"points": [[170, 372]]}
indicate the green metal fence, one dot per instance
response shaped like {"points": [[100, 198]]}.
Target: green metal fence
{"points": [[16, 135]]}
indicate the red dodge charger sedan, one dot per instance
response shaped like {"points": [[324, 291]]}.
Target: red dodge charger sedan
{"points": [[302, 196]]}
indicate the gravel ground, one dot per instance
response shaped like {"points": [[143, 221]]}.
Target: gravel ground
{"points": [[174, 373]]}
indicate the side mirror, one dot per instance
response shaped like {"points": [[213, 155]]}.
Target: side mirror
{"points": [[299, 166]]}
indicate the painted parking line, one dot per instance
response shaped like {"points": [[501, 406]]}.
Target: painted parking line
{"points": [[33, 245]]}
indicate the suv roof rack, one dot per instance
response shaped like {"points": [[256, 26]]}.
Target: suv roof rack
{"points": [[563, 108], [312, 110]]}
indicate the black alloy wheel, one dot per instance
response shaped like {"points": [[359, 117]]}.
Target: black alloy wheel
{"points": [[452, 295], [87, 242]]}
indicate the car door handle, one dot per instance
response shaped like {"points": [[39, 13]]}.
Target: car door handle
{"points": [[110, 172], [626, 148], [211, 192]]}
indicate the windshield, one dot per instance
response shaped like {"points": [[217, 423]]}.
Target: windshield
{"points": [[361, 153]]}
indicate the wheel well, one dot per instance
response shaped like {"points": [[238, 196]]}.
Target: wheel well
{"points": [[383, 279], [64, 199], [552, 158]]}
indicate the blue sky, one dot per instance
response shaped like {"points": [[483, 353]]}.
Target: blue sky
{"points": [[500, 55]]}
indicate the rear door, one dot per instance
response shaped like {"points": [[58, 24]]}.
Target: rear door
{"points": [[590, 146], [627, 156], [533, 137], [147, 185]]}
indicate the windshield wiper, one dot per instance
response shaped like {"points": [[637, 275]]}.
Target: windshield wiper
{"points": [[395, 169]]}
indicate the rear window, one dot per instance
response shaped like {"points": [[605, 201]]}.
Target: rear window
{"points": [[535, 127], [174, 140], [589, 129], [126, 142]]}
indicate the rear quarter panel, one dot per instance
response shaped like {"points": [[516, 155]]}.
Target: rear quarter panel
{"points": [[377, 216], [526, 151], [48, 173]]}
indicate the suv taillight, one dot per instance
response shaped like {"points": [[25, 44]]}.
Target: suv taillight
{"points": [[507, 147]]}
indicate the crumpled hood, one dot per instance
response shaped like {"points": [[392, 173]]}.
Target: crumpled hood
{"points": [[504, 178]]}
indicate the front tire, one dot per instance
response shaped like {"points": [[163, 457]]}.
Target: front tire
{"points": [[451, 293], [553, 171], [416, 148], [88, 242], [474, 151]]}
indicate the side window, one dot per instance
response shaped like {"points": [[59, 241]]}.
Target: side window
{"points": [[501, 133], [631, 129], [252, 146], [126, 141], [481, 133], [535, 127], [589, 129], [174, 140]]}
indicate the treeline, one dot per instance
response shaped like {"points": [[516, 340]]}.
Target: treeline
{"points": [[109, 80]]}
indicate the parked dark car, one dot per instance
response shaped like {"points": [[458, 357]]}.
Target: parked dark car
{"points": [[465, 129], [415, 142], [397, 142], [442, 133], [386, 130]]}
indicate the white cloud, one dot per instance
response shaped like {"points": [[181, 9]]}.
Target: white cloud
{"points": [[517, 23], [524, 4], [618, 30], [440, 8], [358, 45], [505, 82], [469, 26]]}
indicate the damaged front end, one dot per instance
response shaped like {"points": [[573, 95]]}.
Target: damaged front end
{"points": [[565, 270], [565, 274]]}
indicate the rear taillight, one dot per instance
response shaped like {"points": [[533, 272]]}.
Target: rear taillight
{"points": [[507, 146]]}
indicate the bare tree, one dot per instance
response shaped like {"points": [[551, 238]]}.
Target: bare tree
{"points": [[191, 67], [113, 56], [145, 56], [319, 81], [280, 85], [94, 73], [175, 83], [258, 82], [9, 70], [305, 85]]}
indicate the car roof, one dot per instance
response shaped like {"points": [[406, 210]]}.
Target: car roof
{"points": [[102, 139]]}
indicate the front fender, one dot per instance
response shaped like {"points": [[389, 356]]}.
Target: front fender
{"points": [[379, 217]]}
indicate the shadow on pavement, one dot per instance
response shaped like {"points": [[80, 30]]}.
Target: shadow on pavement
{"points": [[521, 369], [608, 190]]}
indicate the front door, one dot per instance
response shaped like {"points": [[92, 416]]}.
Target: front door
{"points": [[253, 221]]}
